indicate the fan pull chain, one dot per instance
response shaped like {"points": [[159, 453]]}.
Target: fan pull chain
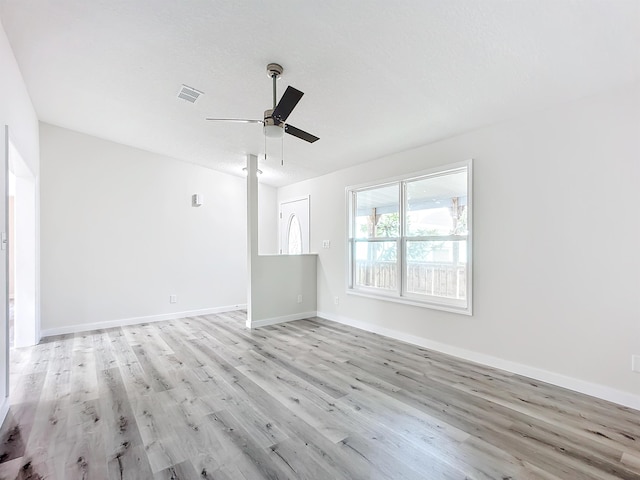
{"points": [[282, 150], [265, 147]]}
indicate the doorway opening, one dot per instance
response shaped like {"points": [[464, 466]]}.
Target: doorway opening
{"points": [[24, 330]]}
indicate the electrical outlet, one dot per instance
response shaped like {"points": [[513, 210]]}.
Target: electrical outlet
{"points": [[300, 298], [173, 299], [635, 363], [336, 301], [326, 243]]}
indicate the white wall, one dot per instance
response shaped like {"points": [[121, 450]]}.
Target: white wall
{"points": [[119, 234], [17, 110], [277, 282], [556, 258], [18, 113]]}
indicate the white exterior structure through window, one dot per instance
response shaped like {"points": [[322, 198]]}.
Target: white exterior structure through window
{"points": [[410, 239]]}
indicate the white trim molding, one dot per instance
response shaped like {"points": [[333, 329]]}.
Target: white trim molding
{"points": [[285, 318], [86, 327], [593, 389]]}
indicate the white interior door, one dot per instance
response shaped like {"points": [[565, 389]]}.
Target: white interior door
{"points": [[294, 227]]}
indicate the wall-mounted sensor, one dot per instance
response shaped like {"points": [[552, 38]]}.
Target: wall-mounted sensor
{"points": [[196, 200]]}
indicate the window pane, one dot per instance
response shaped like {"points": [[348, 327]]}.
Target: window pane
{"points": [[437, 205], [377, 212], [376, 264], [437, 268], [294, 237]]}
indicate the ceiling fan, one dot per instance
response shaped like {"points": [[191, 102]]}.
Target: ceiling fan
{"points": [[274, 118]]}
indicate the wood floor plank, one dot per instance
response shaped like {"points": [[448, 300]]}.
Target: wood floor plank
{"points": [[85, 453], [41, 355], [187, 355], [204, 397], [49, 434], [293, 454], [253, 453], [158, 377], [121, 349], [181, 471], [9, 469], [121, 430], [13, 440], [410, 465], [129, 463], [103, 350], [134, 379], [84, 379], [262, 428]]}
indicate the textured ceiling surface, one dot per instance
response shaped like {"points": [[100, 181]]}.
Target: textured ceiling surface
{"points": [[379, 76]]}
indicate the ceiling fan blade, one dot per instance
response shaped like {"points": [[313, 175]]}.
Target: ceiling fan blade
{"points": [[286, 104], [237, 120], [296, 132]]}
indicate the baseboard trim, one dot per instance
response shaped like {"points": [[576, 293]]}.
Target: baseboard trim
{"points": [[282, 319], [86, 327], [4, 409], [593, 389]]}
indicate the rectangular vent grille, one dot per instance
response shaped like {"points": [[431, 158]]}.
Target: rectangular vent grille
{"points": [[189, 94]]}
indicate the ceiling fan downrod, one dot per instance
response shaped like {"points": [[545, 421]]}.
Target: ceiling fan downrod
{"points": [[274, 71]]}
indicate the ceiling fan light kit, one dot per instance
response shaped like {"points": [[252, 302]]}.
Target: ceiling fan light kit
{"points": [[275, 118], [271, 129]]}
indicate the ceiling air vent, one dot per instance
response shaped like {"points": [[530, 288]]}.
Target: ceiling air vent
{"points": [[189, 94]]}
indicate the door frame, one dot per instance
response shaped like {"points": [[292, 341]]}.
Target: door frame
{"points": [[4, 250]]}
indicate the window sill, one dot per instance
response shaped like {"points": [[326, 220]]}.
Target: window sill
{"points": [[409, 301]]}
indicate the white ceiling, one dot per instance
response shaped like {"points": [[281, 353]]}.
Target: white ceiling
{"points": [[379, 76]]}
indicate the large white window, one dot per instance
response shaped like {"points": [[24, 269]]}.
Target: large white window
{"points": [[410, 239]]}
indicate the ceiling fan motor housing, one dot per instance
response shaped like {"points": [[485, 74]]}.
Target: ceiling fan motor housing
{"points": [[268, 119]]}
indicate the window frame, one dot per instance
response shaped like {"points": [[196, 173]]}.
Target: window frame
{"points": [[399, 294]]}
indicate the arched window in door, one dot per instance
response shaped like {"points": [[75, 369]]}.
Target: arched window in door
{"points": [[294, 227], [294, 237]]}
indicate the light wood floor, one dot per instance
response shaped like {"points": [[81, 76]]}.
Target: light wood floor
{"points": [[204, 398]]}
